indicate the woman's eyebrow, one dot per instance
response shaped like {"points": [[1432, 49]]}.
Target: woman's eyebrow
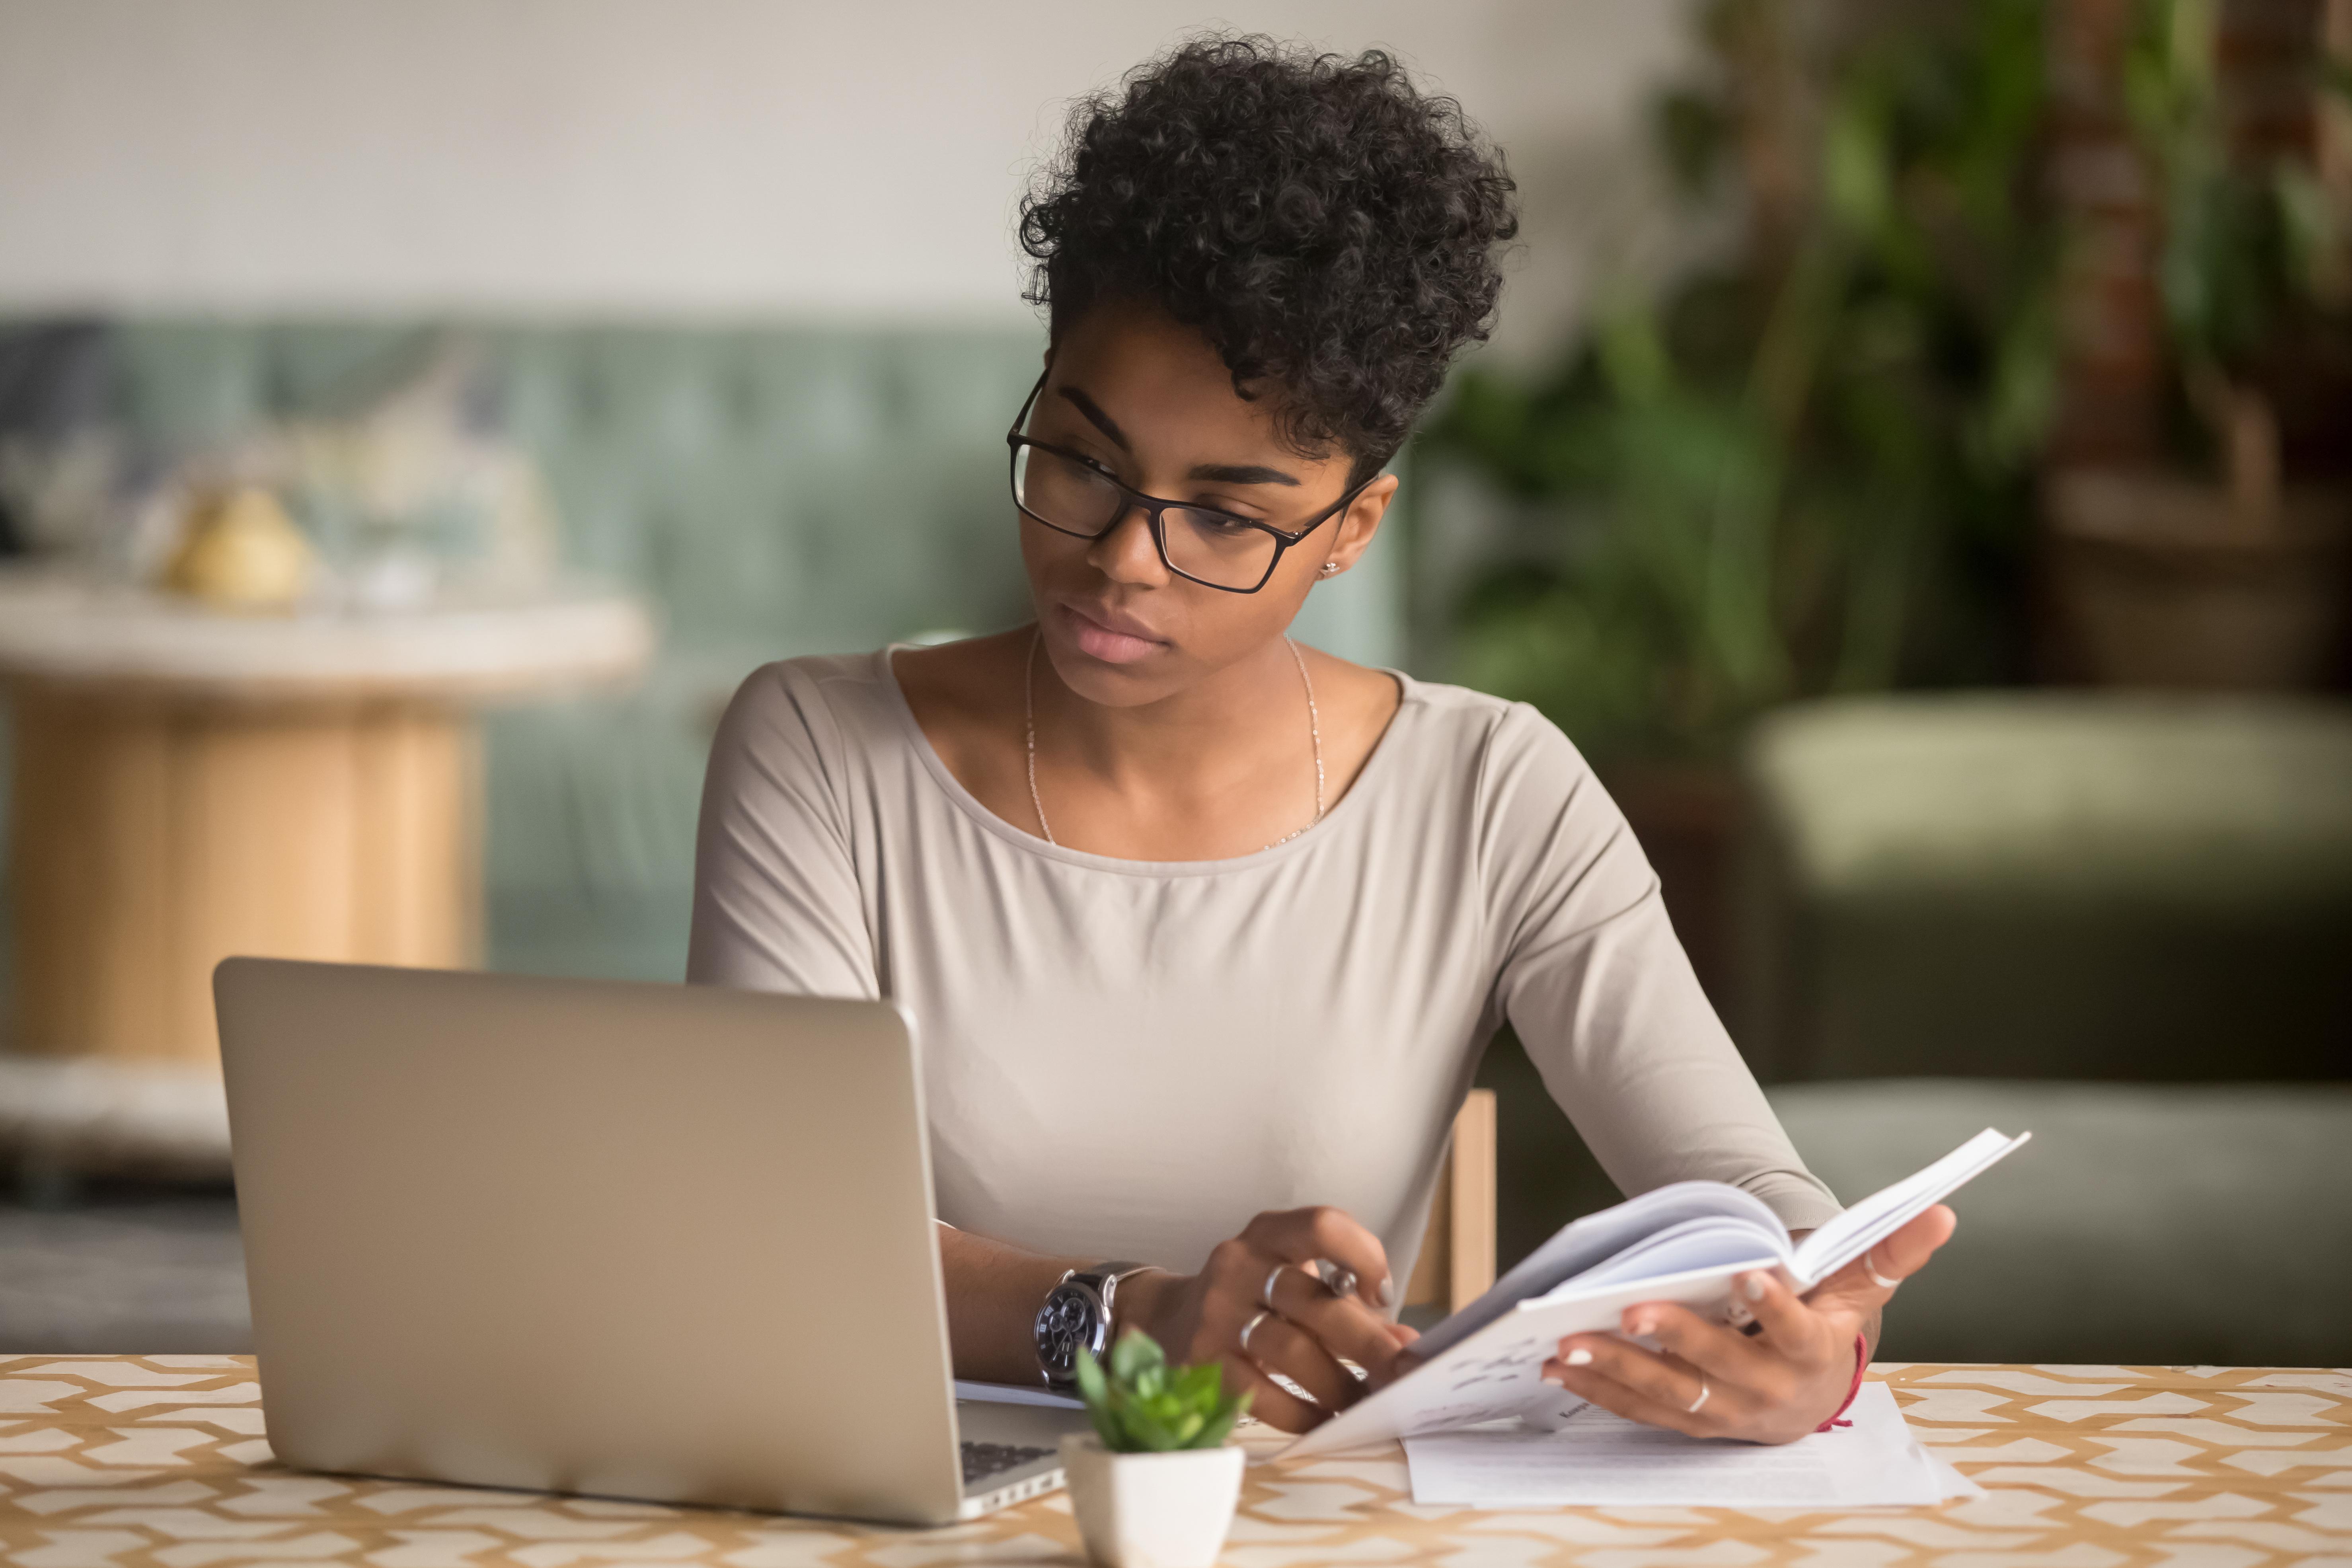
{"points": [[1101, 421], [1240, 474]]}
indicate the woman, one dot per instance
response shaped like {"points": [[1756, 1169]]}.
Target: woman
{"points": [[1199, 924]]}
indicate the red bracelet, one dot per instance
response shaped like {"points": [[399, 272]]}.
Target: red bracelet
{"points": [[1860, 1365]]}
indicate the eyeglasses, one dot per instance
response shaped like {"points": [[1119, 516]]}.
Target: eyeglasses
{"points": [[1071, 493]]}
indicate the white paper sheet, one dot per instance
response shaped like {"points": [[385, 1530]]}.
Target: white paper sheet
{"points": [[1015, 1394], [1597, 1459]]}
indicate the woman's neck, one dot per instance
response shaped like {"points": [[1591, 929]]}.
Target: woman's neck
{"points": [[1222, 768], [1189, 742]]}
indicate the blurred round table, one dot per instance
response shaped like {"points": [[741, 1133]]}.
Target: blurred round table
{"points": [[190, 783]]}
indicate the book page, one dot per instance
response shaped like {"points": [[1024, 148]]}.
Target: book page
{"points": [[1596, 1238], [1889, 1209], [1711, 1243]]}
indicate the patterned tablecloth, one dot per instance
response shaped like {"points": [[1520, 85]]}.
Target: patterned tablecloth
{"points": [[160, 1461]]}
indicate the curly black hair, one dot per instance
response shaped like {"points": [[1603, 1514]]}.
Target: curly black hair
{"points": [[1330, 228]]}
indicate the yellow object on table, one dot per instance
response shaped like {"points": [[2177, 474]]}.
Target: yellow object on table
{"points": [[163, 1459], [241, 552]]}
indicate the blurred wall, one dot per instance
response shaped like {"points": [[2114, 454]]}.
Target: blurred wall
{"points": [[702, 157]]}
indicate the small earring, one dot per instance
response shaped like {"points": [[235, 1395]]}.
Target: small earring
{"points": [[1327, 569]]}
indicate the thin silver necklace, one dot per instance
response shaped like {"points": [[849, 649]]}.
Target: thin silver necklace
{"points": [[1029, 723]]}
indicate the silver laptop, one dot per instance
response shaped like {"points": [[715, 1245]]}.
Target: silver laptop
{"points": [[645, 1241]]}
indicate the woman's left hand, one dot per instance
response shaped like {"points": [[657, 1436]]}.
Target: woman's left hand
{"points": [[1772, 1386]]}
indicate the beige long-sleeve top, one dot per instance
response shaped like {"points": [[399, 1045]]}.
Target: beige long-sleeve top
{"points": [[1128, 1058]]}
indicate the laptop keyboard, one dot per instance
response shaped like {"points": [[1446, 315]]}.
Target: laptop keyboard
{"points": [[982, 1460]]}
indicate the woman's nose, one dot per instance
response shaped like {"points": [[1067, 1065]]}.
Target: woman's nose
{"points": [[1126, 551]]}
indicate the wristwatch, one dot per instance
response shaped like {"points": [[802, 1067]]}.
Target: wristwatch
{"points": [[1075, 1317]]}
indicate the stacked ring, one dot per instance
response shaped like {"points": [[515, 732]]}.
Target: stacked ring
{"points": [[1251, 1326], [1265, 1291]]}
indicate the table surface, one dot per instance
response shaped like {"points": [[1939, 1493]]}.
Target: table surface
{"points": [[160, 1461], [58, 627]]}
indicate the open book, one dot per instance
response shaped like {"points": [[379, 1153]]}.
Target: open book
{"points": [[1685, 1243]]}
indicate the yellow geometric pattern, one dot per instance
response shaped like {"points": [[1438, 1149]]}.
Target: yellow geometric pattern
{"points": [[160, 1462]]}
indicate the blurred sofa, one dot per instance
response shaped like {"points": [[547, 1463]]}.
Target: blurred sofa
{"points": [[771, 489], [2123, 923]]}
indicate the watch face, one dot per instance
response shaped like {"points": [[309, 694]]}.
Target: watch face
{"points": [[1072, 1321]]}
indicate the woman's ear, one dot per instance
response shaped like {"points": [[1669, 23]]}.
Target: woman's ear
{"points": [[1359, 523]]}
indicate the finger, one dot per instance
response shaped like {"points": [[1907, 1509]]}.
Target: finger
{"points": [[1606, 1359], [1302, 1235], [1344, 1326], [1239, 1276], [1792, 1326], [1894, 1260], [1671, 1411], [1722, 1353], [1269, 1401], [1278, 1345]]}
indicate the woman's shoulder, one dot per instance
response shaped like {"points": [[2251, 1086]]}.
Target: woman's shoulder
{"points": [[819, 707], [830, 684], [1493, 736]]}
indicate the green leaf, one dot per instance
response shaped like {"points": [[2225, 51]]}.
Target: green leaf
{"points": [[1144, 1405], [1096, 1391], [1136, 1353]]}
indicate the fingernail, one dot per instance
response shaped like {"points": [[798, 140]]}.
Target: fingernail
{"points": [[1388, 1292], [1644, 1325], [1753, 1285], [1579, 1357], [1555, 1379]]}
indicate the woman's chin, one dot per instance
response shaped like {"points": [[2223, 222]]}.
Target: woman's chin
{"points": [[1113, 682]]}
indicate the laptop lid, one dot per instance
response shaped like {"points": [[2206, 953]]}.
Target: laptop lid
{"points": [[649, 1241]]}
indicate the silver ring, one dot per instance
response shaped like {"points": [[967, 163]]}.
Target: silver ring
{"points": [[1265, 1291], [1704, 1391], [1881, 1280], [1249, 1326], [1337, 1277]]}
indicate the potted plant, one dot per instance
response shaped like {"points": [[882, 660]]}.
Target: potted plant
{"points": [[2162, 576], [1154, 1484]]}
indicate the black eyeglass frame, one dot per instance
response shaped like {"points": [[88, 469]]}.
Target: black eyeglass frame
{"points": [[1152, 506]]}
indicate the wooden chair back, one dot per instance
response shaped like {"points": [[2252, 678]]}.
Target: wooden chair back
{"points": [[1457, 1251]]}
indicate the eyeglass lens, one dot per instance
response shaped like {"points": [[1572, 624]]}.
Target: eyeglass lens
{"points": [[1069, 496]]}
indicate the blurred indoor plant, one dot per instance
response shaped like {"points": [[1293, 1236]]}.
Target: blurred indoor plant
{"points": [[1805, 468], [2213, 570], [1154, 1485]]}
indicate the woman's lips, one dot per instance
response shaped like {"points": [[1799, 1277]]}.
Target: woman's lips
{"points": [[1096, 640]]}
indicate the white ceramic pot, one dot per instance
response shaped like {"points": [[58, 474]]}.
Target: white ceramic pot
{"points": [[1151, 1510]]}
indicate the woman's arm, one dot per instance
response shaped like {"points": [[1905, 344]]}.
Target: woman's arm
{"points": [[776, 900], [1602, 996]]}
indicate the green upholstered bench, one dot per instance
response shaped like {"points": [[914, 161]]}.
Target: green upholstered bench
{"points": [[774, 490], [1991, 910], [2051, 885], [2146, 1223]]}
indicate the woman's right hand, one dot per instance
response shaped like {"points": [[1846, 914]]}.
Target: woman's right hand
{"points": [[1302, 1330]]}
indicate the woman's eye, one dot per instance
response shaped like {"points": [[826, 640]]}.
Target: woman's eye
{"points": [[1214, 523]]}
